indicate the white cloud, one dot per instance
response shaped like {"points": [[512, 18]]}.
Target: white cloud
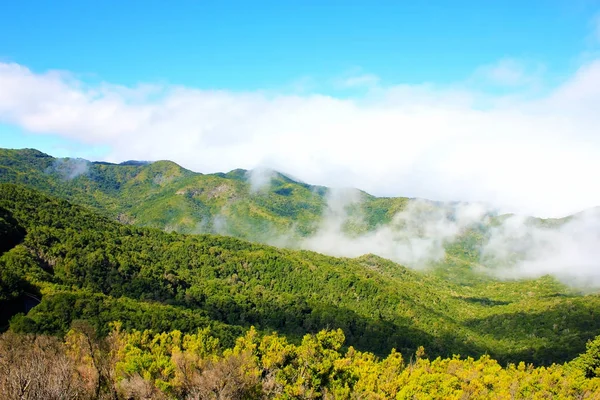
{"points": [[537, 156], [260, 178], [509, 72], [69, 168], [415, 237], [365, 80], [569, 252]]}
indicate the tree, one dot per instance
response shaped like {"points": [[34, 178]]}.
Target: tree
{"points": [[589, 361]]}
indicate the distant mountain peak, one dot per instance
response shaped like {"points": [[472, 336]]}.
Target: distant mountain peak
{"points": [[32, 153], [135, 162]]}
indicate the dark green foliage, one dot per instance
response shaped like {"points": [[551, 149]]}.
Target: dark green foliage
{"points": [[19, 269], [89, 267], [589, 362], [11, 233], [59, 309]]}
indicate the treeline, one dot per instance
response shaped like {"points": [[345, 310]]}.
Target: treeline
{"points": [[172, 365]]}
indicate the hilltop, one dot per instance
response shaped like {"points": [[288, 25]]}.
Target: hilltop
{"points": [[164, 195]]}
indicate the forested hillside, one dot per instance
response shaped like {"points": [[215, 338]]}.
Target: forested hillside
{"points": [[268, 207], [87, 245], [164, 195], [85, 266]]}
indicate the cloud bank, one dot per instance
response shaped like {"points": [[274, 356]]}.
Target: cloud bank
{"points": [[504, 246], [69, 168], [569, 251], [527, 150], [416, 237]]}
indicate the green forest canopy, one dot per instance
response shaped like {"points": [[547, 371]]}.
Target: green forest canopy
{"points": [[85, 266]]}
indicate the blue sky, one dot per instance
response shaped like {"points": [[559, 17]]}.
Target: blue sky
{"points": [[398, 98], [255, 45]]}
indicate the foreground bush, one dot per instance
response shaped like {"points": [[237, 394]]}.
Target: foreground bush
{"points": [[144, 365]]}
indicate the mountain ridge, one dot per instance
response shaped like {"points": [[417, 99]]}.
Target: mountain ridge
{"points": [[444, 237], [28, 161]]}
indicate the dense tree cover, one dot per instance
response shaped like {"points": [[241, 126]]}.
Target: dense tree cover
{"points": [[59, 308], [166, 196], [71, 272], [174, 365], [85, 266]]}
